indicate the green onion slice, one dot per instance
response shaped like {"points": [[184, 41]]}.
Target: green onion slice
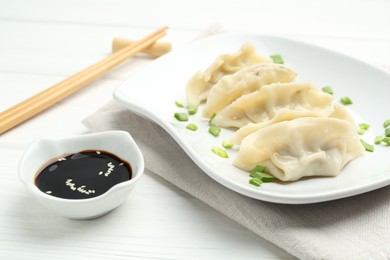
{"points": [[264, 177], [192, 109], [258, 172], [192, 127], [255, 181], [378, 139], [226, 144], [212, 118], [361, 131], [386, 140], [277, 58], [220, 152], [214, 130], [182, 117], [367, 146], [363, 128], [387, 132], [386, 123], [346, 101], [267, 177], [259, 168], [179, 104], [328, 89]]}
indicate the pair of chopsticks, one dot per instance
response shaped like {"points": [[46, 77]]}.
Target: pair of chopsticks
{"points": [[48, 97]]}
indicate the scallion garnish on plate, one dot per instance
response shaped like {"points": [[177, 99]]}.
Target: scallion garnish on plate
{"points": [[192, 127], [212, 118], [386, 140], [367, 146], [363, 128], [182, 117], [179, 103], [192, 109], [387, 132], [214, 130], [386, 123], [255, 181], [219, 151], [328, 89], [260, 176], [346, 101], [226, 144], [277, 58], [378, 139]]}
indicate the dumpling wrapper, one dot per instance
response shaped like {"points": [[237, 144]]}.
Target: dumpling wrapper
{"points": [[199, 85], [245, 81], [275, 101], [309, 146]]}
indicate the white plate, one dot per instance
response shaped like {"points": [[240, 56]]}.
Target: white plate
{"points": [[152, 93]]}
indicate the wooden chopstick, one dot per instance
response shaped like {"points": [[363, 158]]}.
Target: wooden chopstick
{"points": [[41, 101]]}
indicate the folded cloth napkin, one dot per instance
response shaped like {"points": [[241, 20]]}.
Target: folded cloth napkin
{"points": [[353, 228]]}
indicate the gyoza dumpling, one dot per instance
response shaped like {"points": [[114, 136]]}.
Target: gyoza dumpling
{"points": [[282, 116], [309, 146], [271, 100], [245, 81], [200, 84], [338, 111], [230, 63]]}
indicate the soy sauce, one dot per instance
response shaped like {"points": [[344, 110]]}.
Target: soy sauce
{"points": [[82, 175]]}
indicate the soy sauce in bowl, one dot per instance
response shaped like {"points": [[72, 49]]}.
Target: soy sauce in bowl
{"points": [[82, 175]]}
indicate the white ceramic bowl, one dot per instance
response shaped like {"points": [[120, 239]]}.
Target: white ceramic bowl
{"points": [[41, 151]]}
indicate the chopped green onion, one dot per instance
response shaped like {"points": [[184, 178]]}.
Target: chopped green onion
{"points": [[259, 168], [367, 146], [328, 90], [277, 58], [378, 139], [178, 103], [264, 177], [226, 144], [362, 128], [192, 127], [386, 140], [192, 109], [214, 130], [267, 177], [386, 123], [181, 117], [346, 101], [256, 175], [219, 151], [212, 118], [258, 172], [255, 181], [387, 132], [261, 175], [361, 131]]}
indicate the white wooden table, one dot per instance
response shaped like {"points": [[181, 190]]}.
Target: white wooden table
{"points": [[43, 42]]}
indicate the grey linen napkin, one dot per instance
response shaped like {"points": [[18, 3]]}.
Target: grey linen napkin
{"points": [[351, 228]]}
